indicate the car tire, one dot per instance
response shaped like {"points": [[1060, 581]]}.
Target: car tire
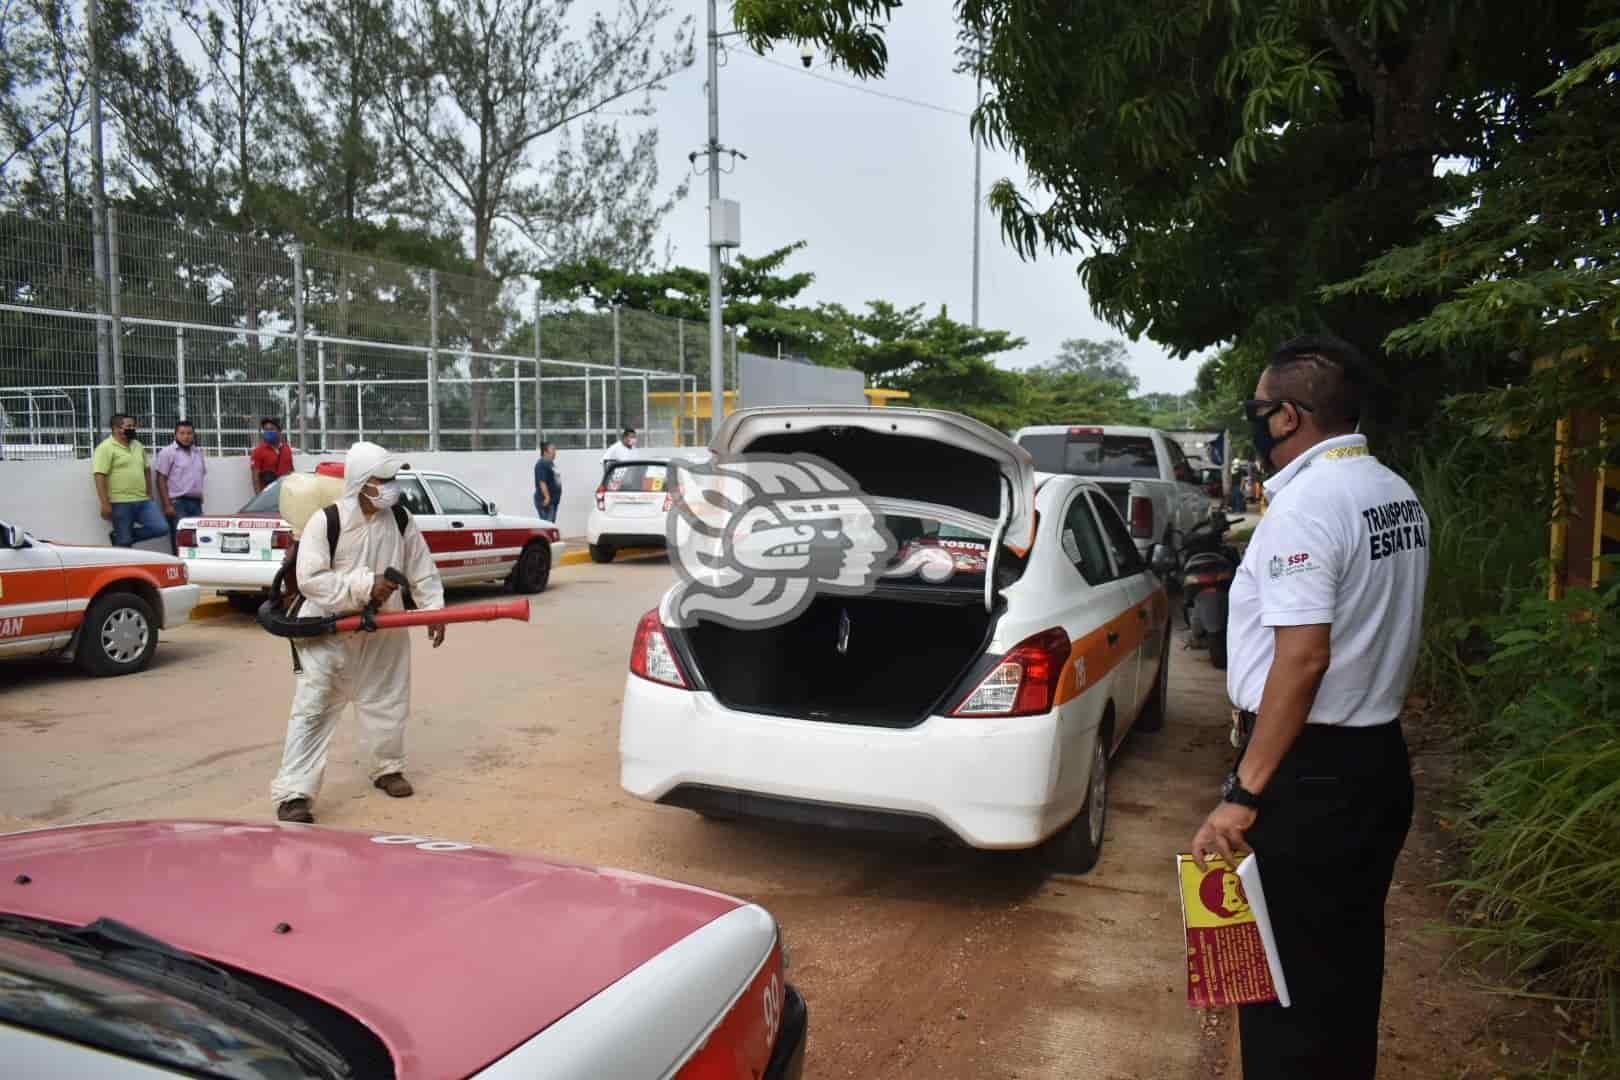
{"points": [[118, 636], [601, 553], [1217, 650], [1078, 845], [245, 602], [1158, 706], [533, 570]]}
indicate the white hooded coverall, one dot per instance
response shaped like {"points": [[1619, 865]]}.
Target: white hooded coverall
{"points": [[371, 670]]}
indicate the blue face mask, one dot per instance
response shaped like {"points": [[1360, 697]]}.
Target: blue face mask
{"points": [[272, 437]]}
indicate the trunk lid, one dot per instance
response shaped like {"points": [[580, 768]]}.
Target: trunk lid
{"points": [[635, 488], [921, 456]]}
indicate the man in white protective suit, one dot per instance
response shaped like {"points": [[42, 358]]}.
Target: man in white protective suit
{"points": [[370, 669]]}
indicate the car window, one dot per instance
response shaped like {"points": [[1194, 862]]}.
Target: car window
{"points": [[267, 501], [1126, 557], [1083, 544], [636, 476], [453, 498], [1178, 462], [1094, 454], [413, 497]]}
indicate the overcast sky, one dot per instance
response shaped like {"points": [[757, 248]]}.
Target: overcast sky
{"points": [[883, 191]]}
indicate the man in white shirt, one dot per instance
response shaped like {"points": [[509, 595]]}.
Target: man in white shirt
{"points": [[621, 447], [371, 670], [1325, 624]]}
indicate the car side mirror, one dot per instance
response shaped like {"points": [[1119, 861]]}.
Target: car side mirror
{"points": [[489, 508], [12, 538], [1162, 561]]}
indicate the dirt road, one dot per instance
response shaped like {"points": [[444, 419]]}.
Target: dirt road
{"points": [[916, 960]]}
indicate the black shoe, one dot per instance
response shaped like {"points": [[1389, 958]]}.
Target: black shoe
{"points": [[395, 784], [295, 810]]}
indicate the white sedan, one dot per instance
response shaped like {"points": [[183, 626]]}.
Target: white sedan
{"points": [[633, 501], [985, 705], [471, 541]]}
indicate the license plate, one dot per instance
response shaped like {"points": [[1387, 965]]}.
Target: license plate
{"points": [[233, 543]]}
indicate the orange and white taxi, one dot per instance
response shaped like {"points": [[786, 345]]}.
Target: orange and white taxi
{"points": [[99, 606]]}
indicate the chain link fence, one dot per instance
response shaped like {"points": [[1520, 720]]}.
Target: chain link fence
{"points": [[224, 329]]}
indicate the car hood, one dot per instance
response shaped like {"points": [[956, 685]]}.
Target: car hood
{"points": [[82, 555], [452, 954], [917, 455]]}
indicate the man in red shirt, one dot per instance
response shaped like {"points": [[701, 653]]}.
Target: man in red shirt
{"points": [[272, 458]]}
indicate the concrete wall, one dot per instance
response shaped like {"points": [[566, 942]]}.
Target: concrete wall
{"points": [[56, 499], [764, 380]]}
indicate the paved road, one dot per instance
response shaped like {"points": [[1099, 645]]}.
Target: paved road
{"points": [[917, 960]]}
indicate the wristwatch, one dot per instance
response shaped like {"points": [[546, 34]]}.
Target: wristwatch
{"points": [[1233, 791]]}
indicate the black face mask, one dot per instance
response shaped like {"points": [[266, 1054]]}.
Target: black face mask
{"points": [[1259, 413]]}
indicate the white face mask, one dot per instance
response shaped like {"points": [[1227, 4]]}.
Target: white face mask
{"points": [[386, 497]]}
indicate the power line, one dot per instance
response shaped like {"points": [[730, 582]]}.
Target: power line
{"points": [[860, 89]]}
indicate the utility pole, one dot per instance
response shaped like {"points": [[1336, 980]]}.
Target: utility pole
{"points": [[978, 95], [112, 397], [717, 369]]}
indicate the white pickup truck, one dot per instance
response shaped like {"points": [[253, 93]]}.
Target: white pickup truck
{"points": [[1145, 472]]}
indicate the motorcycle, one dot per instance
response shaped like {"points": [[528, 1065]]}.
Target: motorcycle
{"points": [[1208, 565]]}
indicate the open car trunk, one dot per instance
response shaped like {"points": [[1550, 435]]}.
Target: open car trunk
{"points": [[873, 660]]}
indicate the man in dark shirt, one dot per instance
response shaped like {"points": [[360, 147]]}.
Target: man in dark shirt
{"points": [[547, 483]]}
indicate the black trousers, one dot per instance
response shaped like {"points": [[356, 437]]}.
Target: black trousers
{"points": [[1332, 822]]}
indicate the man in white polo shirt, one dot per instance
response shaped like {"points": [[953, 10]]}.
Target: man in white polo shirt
{"points": [[1326, 615]]}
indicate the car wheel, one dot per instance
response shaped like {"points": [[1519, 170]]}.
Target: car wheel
{"points": [[118, 636], [245, 602], [1158, 706], [601, 553], [1080, 843], [533, 569], [1217, 650]]}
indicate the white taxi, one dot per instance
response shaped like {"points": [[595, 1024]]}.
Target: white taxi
{"points": [[471, 540], [99, 606], [983, 702], [633, 501]]}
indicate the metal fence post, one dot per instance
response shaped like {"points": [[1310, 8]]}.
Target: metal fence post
{"points": [[360, 413], [618, 387], [517, 404], [540, 418], [117, 323], [680, 382], [646, 413], [298, 343], [219, 424], [433, 361], [180, 369], [320, 388]]}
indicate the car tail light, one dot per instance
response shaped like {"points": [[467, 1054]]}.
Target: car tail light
{"points": [[1209, 577], [1025, 682], [669, 501], [601, 497], [1141, 517], [651, 655], [281, 539], [1085, 431], [185, 538]]}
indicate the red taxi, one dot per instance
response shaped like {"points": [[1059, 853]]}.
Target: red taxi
{"points": [[100, 606], [471, 541], [198, 948]]}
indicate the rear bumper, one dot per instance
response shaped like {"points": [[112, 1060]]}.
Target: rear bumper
{"points": [[623, 530], [250, 574], [178, 600], [991, 783], [787, 1060]]}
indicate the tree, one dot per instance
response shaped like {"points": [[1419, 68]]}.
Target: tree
{"points": [[1106, 361], [1217, 165], [44, 105], [480, 85]]}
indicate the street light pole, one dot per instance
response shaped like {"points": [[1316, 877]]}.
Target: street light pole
{"points": [[717, 375], [978, 93]]}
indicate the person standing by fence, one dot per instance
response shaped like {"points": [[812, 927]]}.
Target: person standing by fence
{"points": [[124, 485], [180, 471], [547, 484], [272, 458]]}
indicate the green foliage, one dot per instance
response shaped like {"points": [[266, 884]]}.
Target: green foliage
{"points": [[1538, 887]]}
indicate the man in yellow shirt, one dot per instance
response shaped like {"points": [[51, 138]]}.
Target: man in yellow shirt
{"points": [[124, 486]]}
